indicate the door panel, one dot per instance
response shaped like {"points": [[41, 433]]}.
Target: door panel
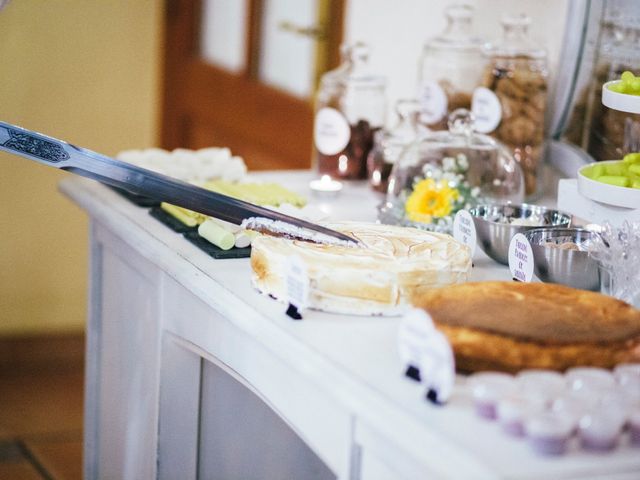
{"points": [[223, 33], [242, 437], [287, 49], [251, 117], [259, 105], [126, 304], [203, 134]]}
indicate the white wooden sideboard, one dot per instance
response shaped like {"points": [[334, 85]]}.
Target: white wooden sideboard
{"points": [[191, 373]]}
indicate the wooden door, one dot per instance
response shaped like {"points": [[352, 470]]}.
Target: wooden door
{"points": [[232, 78]]}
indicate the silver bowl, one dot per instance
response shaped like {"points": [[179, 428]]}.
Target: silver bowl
{"points": [[573, 268], [494, 229]]}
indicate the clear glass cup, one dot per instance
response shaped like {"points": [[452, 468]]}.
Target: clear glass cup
{"points": [[545, 385], [590, 379], [487, 388], [549, 432], [512, 411], [600, 430], [388, 144]]}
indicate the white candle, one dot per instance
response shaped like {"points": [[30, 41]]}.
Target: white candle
{"points": [[325, 185]]}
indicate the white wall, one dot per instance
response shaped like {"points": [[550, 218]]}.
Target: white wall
{"points": [[397, 29], [86, 72]]}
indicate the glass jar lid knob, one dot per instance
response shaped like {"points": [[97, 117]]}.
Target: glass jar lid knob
{"points": [[408, 109], [459, 18], [516, 26], [461, 122], [356, 53]]}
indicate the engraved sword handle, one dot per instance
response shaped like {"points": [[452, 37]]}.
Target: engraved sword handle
{"points": [[56, 153], [32, 145]]}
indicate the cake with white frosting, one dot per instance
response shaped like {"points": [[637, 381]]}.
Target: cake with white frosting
{"points": [[378, 278]]}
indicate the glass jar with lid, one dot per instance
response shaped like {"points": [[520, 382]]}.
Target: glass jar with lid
{"points": [[388, 144], [447, 171], [450, 67], [610, 134], [350, 109], [511, 101]]}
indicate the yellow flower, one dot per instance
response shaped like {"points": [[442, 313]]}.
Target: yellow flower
{"points": [[430, 199]]}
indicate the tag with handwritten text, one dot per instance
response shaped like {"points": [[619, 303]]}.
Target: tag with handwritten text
{"points": [[464, 230], [297, 282], [427, 354], [520, 258]]}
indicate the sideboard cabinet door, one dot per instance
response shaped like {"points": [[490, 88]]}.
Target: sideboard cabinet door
{"points": [[122, 361]]}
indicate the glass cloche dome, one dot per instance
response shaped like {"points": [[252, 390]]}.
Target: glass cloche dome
{"points": [[447, 171]]}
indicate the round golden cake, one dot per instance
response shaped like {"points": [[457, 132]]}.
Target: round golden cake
{"points": [[511, 326], [379, 278]]}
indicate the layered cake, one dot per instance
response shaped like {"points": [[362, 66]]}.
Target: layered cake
{"points": [[511, 326], [392, 265]]}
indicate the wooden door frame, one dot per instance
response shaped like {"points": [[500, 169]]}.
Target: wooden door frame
{"points": [[183, 66]]}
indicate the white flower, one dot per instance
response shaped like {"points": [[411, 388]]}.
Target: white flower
{"points": [[450, 177], [448, 164], [462, 161], [475, 191], [427, 169]]}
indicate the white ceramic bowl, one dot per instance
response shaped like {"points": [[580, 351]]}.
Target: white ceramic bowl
{"points": [[620, 101], [610, 194]]}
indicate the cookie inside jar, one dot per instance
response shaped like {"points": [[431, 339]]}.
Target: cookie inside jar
{"points": [[510, 102]]}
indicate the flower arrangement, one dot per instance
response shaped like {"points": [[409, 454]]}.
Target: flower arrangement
{"points": [[439, 192]]}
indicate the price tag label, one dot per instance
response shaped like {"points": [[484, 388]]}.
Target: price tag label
{"points": [[331, 132], [433, 103], [297, 283], [413, 335], [464, 230], [521, 258], [427, 352], [486, 109]]}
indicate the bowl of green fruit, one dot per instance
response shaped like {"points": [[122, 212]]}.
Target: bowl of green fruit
{"points": [[623, 94], [614, 182]]}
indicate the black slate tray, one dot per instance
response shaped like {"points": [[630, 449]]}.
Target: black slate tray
{"points": [[213, 251], [191, 234], [170, 221], [136, 199]]}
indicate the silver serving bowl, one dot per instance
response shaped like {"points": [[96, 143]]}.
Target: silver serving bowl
{"points": [[573, 268], [494, 227]]}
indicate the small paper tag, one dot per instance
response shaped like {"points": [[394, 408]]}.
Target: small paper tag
{"points": [[297, 283], [426, 353], [464, 230], [331, 132], [438, 368], [413, 334], [486, 109], [433, 103], [521, 258]]}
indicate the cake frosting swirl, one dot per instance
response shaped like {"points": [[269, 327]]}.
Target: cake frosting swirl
{"points": [[379, 278]]}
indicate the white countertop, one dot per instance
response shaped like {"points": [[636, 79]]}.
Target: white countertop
{"points": [[354, 357]]}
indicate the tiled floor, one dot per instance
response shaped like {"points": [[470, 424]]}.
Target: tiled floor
{"points": [[41, 420]]}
